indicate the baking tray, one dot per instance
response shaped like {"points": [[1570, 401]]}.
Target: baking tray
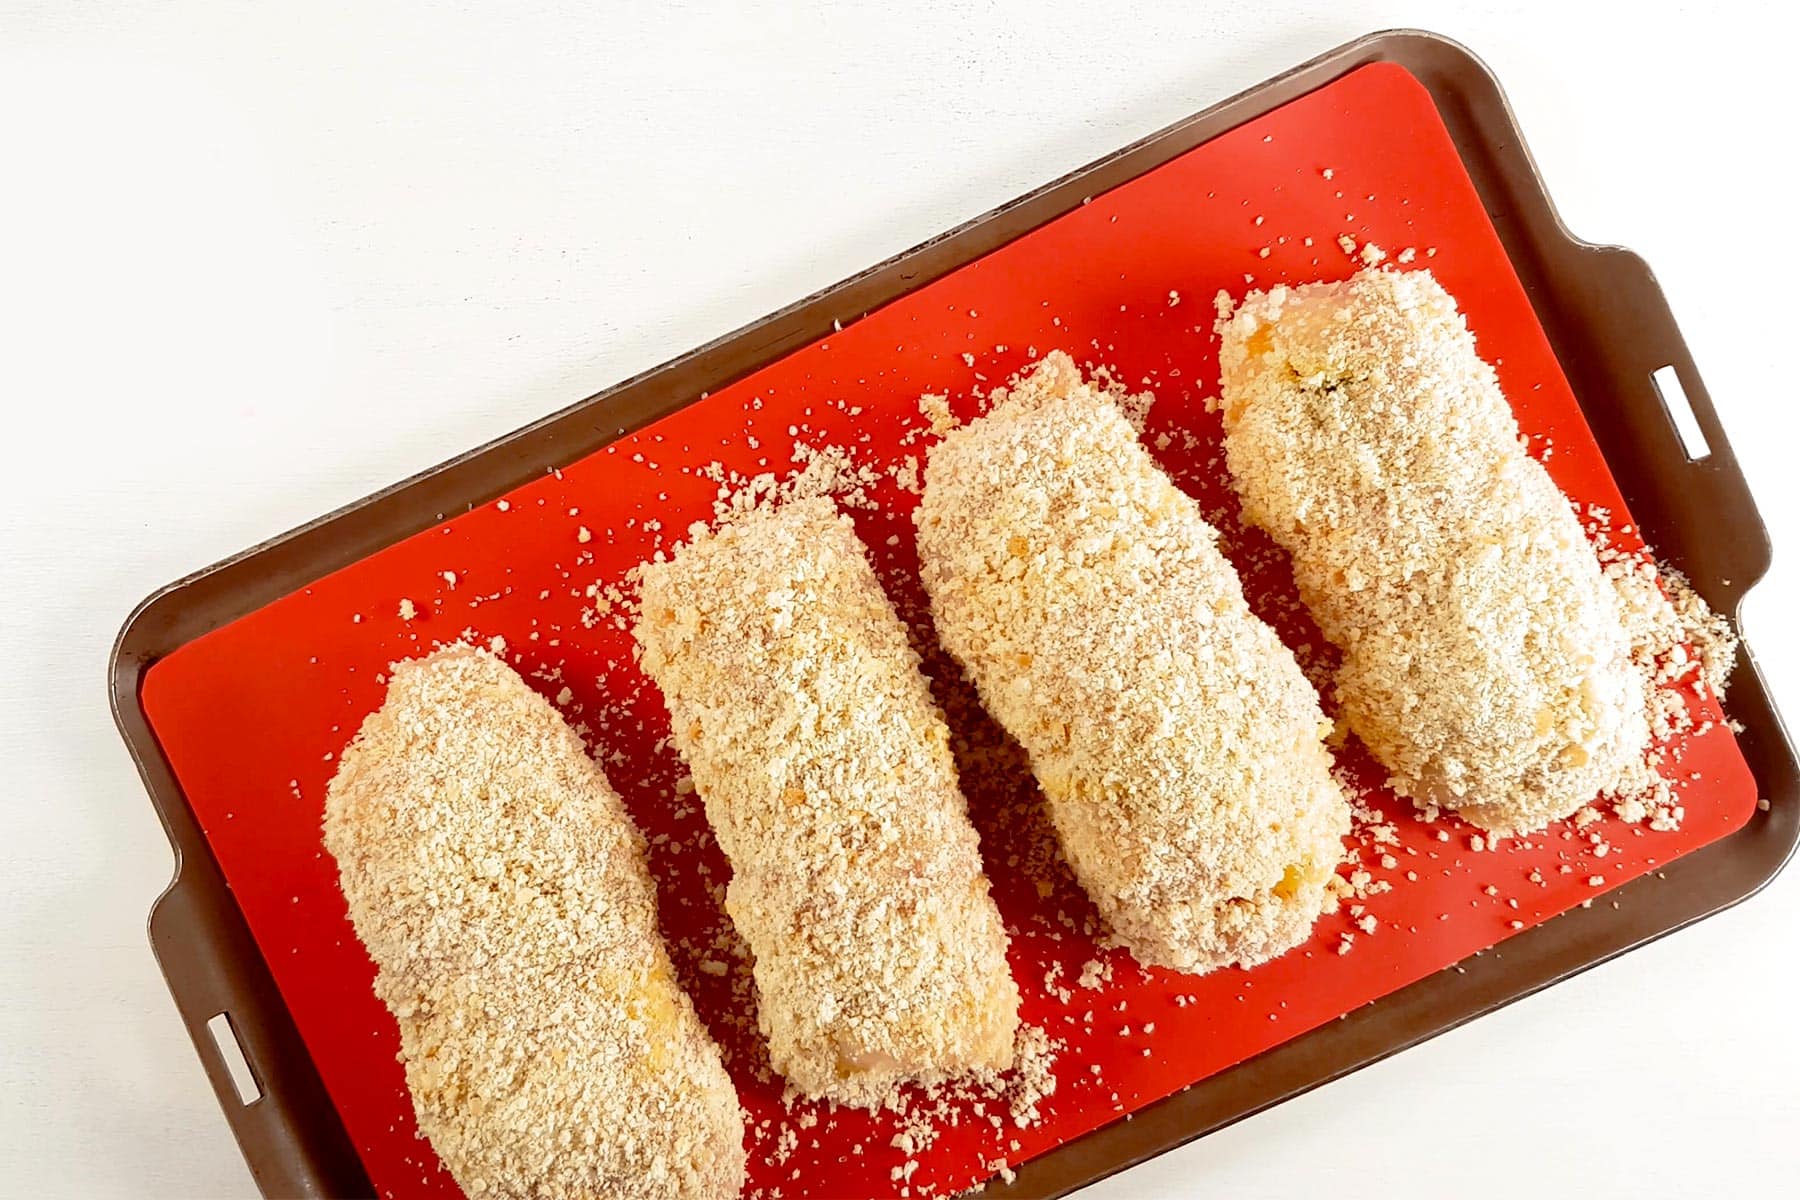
{"points": [[1609, 328]]}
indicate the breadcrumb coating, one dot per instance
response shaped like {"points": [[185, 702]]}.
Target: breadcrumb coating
{"points": [[1486, 660], [825, 768], [500, 887], [1176, 741]]}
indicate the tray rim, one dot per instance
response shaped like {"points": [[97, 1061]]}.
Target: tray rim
{"points": [[291, 1137]]}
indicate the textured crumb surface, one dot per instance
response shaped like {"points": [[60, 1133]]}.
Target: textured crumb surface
{"points": [[825, 769], [252, 717], [500, 887], [1176, 740], [1487, 662]]}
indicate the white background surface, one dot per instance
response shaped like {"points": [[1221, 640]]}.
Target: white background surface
{"points": [[259, 260]]}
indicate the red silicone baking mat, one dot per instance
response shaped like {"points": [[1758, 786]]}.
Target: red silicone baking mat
{"points": [[253, 714]]}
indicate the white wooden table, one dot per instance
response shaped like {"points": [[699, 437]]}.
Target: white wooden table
{"points": [[258, 260]]}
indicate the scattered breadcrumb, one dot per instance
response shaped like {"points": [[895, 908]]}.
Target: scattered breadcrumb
{"points": [[823, 471], [1033, 1077], [935, 408], [905, 474]]}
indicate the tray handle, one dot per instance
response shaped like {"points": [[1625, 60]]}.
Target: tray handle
{"points": [[289, 1132], [1697, 511], [278, 1122]]}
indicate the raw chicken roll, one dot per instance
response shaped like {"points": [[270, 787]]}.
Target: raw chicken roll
{"points": [[1486, 660], [1177, 743], [826, 772], [500, 887]]}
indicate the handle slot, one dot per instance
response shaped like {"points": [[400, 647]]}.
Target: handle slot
{"points": [[236, 1058], [1681, 413]]}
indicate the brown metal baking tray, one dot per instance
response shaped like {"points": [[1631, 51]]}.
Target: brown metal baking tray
{"points": [[1610, 329]]}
